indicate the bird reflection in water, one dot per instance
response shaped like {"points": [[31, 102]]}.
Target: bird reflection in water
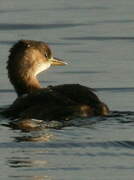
{"points": [[37, 136], [30, 165], [32, 177]]}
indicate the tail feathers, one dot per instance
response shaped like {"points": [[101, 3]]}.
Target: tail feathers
{"points": [[104, 110]]}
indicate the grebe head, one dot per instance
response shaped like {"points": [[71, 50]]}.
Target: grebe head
{"points": [[26, 60]]}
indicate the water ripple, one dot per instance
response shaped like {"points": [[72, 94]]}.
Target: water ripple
{"points": [[80, 72], [7, 91], [24, 26], [50, 43], [120, 89], [100, 38], [60, 145]]}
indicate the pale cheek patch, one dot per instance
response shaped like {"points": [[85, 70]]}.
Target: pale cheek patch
{"points": [[42, 67]]}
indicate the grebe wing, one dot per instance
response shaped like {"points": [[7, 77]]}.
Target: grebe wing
{"points": [[77, 93], [54, 101], [44, 98]]}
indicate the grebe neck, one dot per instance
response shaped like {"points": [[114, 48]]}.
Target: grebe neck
{"points": [[24, 84]]}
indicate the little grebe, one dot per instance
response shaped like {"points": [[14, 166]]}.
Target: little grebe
{"points": [[26, 60]]}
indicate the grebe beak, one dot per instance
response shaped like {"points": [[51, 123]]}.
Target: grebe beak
{"points": [[57, 62]]}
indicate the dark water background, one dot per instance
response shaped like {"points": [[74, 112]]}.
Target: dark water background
{"points": [[96, 38]]}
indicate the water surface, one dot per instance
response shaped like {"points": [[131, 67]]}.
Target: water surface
{"points": [[96, 38]]}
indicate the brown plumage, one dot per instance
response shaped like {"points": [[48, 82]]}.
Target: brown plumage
{"points": [[27, 59]]}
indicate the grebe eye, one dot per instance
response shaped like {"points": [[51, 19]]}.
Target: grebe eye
{"points": [[46, 55]]}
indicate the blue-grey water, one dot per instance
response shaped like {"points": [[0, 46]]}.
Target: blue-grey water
{"points": [[96, 38]]}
